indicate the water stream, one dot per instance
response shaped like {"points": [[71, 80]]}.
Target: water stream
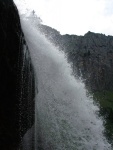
{"points": [[66, 119]]}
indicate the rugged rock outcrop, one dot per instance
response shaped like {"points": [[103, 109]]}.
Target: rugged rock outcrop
{"points": [[91, 56], [17, 83]]}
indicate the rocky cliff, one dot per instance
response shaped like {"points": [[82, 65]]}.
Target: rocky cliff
{"points": [[91, 56], [17, 83]]}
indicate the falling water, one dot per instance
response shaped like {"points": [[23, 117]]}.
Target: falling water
{"points": [[66, 119]]}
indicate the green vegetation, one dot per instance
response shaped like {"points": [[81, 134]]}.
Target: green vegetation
{"points": [[104, 98], [105, 101]]}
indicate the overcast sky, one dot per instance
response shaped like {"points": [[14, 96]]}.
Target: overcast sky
{"points": [[74, 16]]}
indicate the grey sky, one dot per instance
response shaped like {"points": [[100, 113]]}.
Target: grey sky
{"points": [[74, 16]]}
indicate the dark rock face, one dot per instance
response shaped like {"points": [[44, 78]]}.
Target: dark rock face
{"points": [[92, 58], [17, 84]]}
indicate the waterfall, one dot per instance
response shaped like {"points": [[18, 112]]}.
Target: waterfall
{"points": [[66, 119]]}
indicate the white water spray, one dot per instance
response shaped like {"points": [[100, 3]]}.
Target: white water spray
{"points": [[65, 117]]}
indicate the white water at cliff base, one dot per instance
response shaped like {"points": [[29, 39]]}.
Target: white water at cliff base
{"points": [[66, 119]]}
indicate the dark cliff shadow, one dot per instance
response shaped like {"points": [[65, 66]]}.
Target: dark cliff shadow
{"points": [[17, 83]]}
